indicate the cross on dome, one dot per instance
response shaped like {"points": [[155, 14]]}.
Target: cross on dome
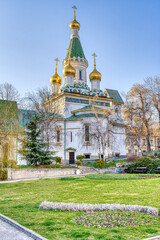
{"points": [[69, 52], [74, 11], [94, 55], [95, 75], [57, 60]]}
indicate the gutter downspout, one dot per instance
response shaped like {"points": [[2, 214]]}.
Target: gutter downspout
{"points": [[65, 142]]}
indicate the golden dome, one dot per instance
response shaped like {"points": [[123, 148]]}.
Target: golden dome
{"points": [[56, 78], [74, 24], [69, 70], [95, 75]]}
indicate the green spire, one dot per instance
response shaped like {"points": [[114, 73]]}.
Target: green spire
{"points": [[75, 49]]}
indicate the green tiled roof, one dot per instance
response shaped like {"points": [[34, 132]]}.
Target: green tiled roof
{"points": [[115, 95], [73, 117], [25, 116], [119, 124], [89, 107], [85, 115], [75, 49], [9, 121], [70, 148]]}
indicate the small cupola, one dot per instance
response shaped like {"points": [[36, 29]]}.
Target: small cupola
{"points": [[56, 80], [69, 74], [69, 70], [74, 25], [95, 76]]}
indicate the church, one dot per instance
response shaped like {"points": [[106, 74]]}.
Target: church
{"points": [[89, 120]]}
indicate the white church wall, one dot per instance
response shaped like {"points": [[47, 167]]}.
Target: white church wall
{"points": [[116, 144]]}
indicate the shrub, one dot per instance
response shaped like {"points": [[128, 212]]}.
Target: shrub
{"points": [[57, 159], [3, 174], [100, 163], [158, 155], [79, 163], [12, 163], [149, 163], [151, 156], [80, 157], [132, 158]]}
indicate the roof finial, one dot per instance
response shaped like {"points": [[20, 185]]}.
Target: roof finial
{"points": [[74, 11], [69, 54], [57, 60], [94, 55]]}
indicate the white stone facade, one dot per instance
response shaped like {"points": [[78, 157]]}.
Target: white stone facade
{"points": [[90, 121]]}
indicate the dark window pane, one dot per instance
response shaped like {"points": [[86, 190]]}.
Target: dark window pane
{"points": [[80, 75], [87, 133], [58, 135]]}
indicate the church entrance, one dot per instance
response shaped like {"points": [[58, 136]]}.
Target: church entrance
{"points": [[71, 157]]}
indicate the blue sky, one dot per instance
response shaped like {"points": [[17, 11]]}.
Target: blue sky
{"points": [[125, 35]]}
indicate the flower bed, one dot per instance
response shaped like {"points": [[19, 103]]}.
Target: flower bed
{"points": [[116, 219], [77, 207]]}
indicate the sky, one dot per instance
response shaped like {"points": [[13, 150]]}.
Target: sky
{"points": [[125, 35]]}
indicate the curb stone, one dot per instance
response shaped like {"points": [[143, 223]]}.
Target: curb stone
{"points": [[152, 238], [19, 227]]}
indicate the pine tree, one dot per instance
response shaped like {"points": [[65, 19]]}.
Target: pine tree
{"points": [[34, 148]]}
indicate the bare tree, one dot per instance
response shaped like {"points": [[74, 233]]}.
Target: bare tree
{"points": [[9, 92], [134, 124], [35, 98], [142, 108], [153, 86], [101, 130]]}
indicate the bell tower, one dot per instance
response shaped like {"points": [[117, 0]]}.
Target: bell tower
{"points": [[75, 53]]}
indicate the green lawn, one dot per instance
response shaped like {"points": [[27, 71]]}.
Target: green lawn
{"points": [[20, 202]]}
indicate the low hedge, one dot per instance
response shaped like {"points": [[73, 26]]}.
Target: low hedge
{"points": [[150, 164], [3, 174]]}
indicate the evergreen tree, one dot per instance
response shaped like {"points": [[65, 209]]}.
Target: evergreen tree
{"points": [[34, 148]]}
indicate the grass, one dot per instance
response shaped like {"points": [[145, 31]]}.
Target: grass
{"points": [[107, 164], [20, 201], [121, 176]]}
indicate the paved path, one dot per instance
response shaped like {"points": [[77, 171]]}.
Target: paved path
{"points": [[7, 232], [75, 175]]}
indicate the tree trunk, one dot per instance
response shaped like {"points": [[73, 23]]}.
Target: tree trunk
{"points": [[148, 142]]}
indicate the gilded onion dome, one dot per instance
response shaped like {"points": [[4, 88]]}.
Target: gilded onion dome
{"points": [[68, 70], [95, 75], [74, 23], [56, 78]]}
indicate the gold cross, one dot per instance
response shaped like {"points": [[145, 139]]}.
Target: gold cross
{"points": [[74, 11], [69, 52], [94, 55], [57, 60]]}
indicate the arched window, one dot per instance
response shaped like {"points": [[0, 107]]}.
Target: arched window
{"points": [[80, 75], [58, 136], [86, 133]]}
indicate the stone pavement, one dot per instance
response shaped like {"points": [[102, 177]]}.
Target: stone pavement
{"points": [[7, 232], [11, 230]]}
